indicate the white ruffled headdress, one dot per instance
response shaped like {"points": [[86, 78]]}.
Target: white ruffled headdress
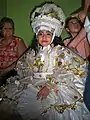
{"points": [[48, 17]]}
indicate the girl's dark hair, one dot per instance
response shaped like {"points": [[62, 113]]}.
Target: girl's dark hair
{"points": [[88, 12], [34, 44], [1, 36], [58, 41], [5, 20]]}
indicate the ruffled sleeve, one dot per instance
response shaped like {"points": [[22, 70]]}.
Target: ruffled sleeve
{"points": [[24, 64], [71, 62], [70, 71]]}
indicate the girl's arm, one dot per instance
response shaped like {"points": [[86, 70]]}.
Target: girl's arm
{"points": [[81, 35]]}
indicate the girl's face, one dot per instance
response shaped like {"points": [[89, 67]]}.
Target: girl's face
{"points": [[73, 26], [7, 30], [44, 38]]}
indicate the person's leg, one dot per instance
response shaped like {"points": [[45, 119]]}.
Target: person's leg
{"points": [[87, 91]]}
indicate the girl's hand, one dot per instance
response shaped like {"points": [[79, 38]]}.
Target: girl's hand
{"points": [[66, 42], [43, 93]]}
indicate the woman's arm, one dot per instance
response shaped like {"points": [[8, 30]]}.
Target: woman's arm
{"points": [[86, 5], [81, 35], [21, 47]]}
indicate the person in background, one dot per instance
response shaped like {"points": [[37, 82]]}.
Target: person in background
{"points": [[87, 84], [77, 40], [87, 24], [11, 48]]}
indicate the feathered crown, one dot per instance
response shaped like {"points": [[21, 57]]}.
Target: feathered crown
{"points": [[48, 17]]}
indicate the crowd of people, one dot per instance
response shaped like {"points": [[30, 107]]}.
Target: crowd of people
{"points": [[50, 79]]}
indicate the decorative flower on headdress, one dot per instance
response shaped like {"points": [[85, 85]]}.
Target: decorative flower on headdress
{"points": [[48, 17]]}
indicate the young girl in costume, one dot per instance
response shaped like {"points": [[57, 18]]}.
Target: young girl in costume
{"points": [[50, 80]]}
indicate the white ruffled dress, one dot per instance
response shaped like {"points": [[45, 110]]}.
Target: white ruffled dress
{"points": [[63, 71]]}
